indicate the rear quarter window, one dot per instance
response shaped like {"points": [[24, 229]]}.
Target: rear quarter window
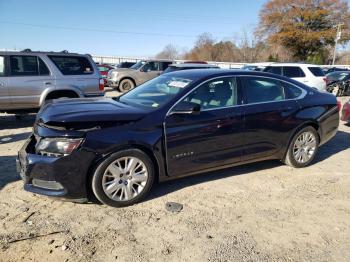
{"points": [[316, 71], [72, 65], [291, 91]]}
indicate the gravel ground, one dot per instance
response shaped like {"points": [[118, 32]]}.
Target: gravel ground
{"points": [[258, 212]]}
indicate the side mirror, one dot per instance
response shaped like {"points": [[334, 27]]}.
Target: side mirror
{"points": [[186, 108]]}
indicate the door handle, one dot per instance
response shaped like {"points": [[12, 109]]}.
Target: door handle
{"points": [[47, 83]]}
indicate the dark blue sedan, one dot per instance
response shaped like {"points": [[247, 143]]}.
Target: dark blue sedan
{"points": [[178, 124]]}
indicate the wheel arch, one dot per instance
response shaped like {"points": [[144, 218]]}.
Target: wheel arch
{"points": [[313, 124], [100, 159], [128, 77], [52, 92]]}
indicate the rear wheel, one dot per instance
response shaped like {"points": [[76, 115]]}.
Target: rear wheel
{"points": [[126, 85], [303, 148], [124, 178]]}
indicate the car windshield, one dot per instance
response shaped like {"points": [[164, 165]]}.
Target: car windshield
{"points": [[138, 65], [156, 92]]}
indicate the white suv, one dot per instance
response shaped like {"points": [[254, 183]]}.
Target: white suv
{"points": [[310, 75]]}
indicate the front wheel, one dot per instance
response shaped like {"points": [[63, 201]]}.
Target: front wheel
{"points": [[126, 85], [303, 148], [124, 178]]}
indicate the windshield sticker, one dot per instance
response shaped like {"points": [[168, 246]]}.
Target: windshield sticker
{"points": [[179, 84]]}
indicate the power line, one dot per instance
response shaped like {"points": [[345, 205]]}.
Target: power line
{"points": [[94, 30], [100, 30]]}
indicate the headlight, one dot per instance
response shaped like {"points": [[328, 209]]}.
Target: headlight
{"points": [[57, 146]]}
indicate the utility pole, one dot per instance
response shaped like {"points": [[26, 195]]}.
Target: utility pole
{"points": [[337, 38]]}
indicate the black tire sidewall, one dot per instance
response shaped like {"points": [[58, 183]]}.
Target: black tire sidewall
{"points": [[290, 155], [96, 182]]}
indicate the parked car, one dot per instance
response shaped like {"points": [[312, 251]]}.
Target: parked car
{"points": [[195, 62], [338, 83], [187, 66], [28, 79], [125, 64], [338, 76], [256, 66], [104, 68], [345, 114], [178, 124], [333, 69], [311, 75], [125, 79]]}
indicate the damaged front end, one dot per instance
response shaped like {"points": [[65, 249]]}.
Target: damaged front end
{"points": [[55, 166], [55, 160]]}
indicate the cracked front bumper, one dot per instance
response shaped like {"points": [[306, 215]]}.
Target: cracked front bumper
{"points": [[63, 177]]}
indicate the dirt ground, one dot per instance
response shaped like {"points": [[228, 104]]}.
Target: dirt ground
{"points": [[258, 212]]}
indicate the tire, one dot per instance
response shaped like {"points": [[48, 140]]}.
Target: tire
{"points": [[116, 186], [126, 85], [307, 151]]}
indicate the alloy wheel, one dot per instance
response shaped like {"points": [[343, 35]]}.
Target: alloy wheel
{"points": [[304, 147], [125, 178]]}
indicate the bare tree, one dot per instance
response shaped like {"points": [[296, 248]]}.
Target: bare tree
{"points": [[169, 52]]}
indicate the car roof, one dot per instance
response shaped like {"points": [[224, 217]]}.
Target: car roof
{"points": [[186, 65], [40, 52], [157, 60], [213, 72], [293, 64]]}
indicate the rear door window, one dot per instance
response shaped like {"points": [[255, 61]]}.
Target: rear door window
{"points": [[24, 66], [274, 70], [262, 90], [316, 71], [2, 66], [293, 71], [72, 65]]}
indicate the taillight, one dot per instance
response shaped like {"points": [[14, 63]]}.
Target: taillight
{"points": [[339, 105], [101, 84]]}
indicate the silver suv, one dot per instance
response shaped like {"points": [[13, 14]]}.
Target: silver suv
{"points": [[28, 79], [125, 79]]}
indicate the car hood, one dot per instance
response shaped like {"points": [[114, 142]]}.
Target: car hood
{"points": [[87, 113]]}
